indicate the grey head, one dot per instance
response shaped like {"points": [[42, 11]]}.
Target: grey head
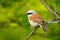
{"points": [[30, 12]]}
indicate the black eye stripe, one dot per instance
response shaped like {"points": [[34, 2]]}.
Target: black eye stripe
{"points": [[29, 13]]}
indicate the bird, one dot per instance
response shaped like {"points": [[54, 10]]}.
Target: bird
{"points": [[36, 21]]}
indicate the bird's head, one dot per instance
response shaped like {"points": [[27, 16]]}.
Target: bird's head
{"points": [[30, 12]]}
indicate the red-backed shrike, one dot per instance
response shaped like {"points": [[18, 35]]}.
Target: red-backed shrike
{"points": [[35, 20]]}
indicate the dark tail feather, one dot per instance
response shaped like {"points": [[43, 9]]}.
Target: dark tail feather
{"points": [[44, 28]]}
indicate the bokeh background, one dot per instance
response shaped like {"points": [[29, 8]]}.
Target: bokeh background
{"points": [[14, 24]]}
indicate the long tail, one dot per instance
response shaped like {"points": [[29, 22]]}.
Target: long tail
{"points": [[43, 27]]}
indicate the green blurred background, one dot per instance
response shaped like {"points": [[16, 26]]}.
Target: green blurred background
{"points": [[14, 24]]}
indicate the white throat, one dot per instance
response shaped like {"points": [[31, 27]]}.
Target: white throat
{"points": [[30, 15]]}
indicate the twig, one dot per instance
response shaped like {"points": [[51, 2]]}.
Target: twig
{"points": [[53, 12], [31, 33], [53, 21]]}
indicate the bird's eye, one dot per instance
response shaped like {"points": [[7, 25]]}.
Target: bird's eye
{"points": [[29, 13]]}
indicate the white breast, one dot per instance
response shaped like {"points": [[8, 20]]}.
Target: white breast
{"points": [[33, 23]]}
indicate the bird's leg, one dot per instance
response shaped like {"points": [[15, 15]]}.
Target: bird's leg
{"points": [[31, 33]]}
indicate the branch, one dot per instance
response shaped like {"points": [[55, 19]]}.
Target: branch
{"points": [[52, 11], [53, 20], [31, 33]]}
